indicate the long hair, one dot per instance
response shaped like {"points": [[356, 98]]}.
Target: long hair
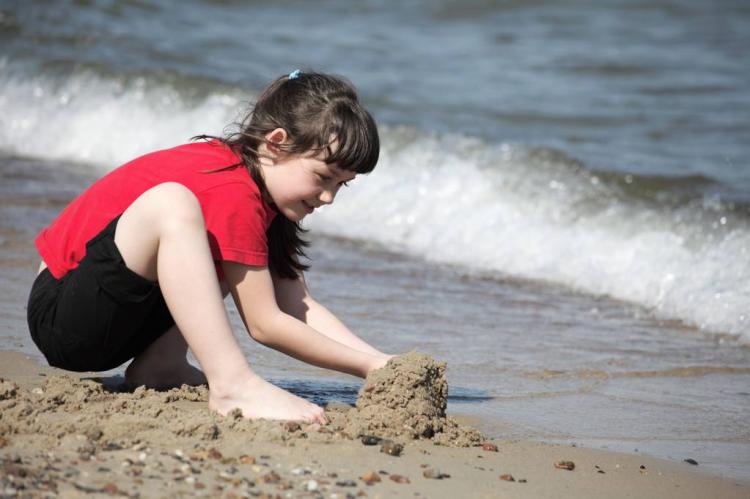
{"points": [[319, 112]]}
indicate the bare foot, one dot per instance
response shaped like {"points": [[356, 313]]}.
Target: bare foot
{"points": [[259, 399], [162, 378]]}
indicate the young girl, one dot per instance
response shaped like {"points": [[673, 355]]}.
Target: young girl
{"points": [[137, 266]]}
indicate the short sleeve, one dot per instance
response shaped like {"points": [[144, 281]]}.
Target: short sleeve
{"points": [[236, 224]]}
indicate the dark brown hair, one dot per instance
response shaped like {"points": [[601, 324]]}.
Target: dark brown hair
{"points": [[319, 112]]}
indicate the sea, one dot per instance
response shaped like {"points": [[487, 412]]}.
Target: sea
{"points": [[561, 211]]}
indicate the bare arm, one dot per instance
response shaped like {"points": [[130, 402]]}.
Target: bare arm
{"points": [[294, 298], [253, 292]]}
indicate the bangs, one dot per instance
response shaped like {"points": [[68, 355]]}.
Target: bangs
{"points": [[355, 146]]}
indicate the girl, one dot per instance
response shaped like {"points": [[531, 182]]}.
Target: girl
{"points": [[137, 266]]}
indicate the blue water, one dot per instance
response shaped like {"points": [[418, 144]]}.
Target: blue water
{"points": [[561, 211]]}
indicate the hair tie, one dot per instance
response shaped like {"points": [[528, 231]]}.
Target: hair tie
{"points": [[295, 74]]}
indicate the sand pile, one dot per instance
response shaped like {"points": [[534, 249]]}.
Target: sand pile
{"points": [[407, 398]]}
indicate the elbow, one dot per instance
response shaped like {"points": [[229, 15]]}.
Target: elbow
{"points": [[262, 329], [256, 334]]}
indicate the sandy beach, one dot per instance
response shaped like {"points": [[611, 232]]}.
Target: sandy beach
{"points": [[65, 435]]}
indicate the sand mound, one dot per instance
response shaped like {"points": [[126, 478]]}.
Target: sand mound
{"points": [[407, 398]]}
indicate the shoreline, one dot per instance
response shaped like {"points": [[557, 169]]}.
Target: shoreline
{"points": [[110, 445]]}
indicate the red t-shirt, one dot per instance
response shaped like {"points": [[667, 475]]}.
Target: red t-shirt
{"points": [[235, 215]]}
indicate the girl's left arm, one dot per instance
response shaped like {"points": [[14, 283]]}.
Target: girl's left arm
{"points": [[293, 297]]}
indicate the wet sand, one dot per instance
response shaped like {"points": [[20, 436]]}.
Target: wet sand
{"points": [[71, 435]]}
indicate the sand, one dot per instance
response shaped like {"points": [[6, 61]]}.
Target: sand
{"points": [[68, 436]]}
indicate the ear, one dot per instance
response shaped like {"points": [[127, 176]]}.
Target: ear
{"points": [[274, 139]]}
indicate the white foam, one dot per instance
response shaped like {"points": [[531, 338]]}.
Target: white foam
{"points": [[503, 210], [104, 122]]}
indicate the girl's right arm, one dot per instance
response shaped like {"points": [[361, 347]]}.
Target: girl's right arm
{"points": [[253, 292]]}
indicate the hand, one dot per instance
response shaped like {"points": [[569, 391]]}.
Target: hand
{"points": [[380, 361]]}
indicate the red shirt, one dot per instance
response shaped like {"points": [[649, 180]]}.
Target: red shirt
{"points": [[235, 215]]}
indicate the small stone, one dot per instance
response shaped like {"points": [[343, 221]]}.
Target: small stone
{"points": [[489, 446], [110, 488], [507, 478], [521, 480], [346, 483], [391, 448], [142, 456], [691, 461], [565, 465], [179, 454], [245, 459], [3, 442], [199, 486], [300, 471], [270, 477], [399, 479], [370, 477], [371, 440], [190, 480], [434, 474], [292, 426], [311, 486], [214, 454]]}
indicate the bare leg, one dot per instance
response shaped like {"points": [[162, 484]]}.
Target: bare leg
{"points": [[162, 237], [164, 364]]}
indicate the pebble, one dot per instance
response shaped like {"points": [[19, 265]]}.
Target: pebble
{"points": [[190, 480], [245, 459], [489, 446], [565, 465], [434, 474], [110, 488], [400, 479], [370, 477], [270, 477], [691, 461], [346, 483], [142, 456], [292, 426], [371, 440], [311, 486], [214, 454], [301, 471], [391, 448]]}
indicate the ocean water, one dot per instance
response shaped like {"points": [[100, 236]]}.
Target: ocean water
{"points": [[561, 211]]}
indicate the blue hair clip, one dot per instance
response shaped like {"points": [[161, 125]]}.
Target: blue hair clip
{"points": [[295, 74]]}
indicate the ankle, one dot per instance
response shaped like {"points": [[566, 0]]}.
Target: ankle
{"points": [[230, 387]]}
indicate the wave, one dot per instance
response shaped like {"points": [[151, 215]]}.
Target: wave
{"points": [[530, 212], [537, 214]]}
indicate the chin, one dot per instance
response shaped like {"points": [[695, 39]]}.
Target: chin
{"points": [[294, 216]]}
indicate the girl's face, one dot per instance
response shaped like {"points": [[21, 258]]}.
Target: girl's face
{"points": [[300, 183]]}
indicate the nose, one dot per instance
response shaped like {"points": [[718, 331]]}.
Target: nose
{"points": [[327, 196]]}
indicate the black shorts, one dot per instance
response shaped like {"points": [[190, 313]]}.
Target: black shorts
{"points": [[100, 314]]}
